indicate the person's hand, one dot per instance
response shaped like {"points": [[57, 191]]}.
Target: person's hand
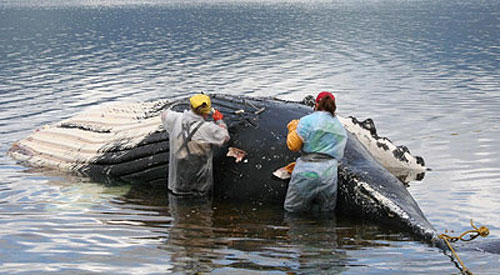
{"points": [[292, 125], [217, 115]]}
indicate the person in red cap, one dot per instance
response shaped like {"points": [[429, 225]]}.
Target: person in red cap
{"points": [[321, 138]]}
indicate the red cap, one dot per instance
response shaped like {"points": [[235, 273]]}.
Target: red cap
{"points": [[323, 94]]}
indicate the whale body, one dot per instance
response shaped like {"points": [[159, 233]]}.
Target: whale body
{"points": [[126, 142]]}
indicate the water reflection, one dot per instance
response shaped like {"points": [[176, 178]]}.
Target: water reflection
{"points": [[61, 224], [316, 243], [185, 235], [221, 236], [191, 239]]}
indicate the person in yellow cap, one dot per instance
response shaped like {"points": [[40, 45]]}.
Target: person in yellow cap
{"points": [[321, 138], [192, 139]]}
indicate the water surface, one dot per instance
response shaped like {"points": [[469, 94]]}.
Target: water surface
{"points": [[427, 72]]}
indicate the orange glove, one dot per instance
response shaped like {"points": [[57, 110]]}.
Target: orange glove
{"points": [[293, 140], [292, 125], [289, 167], [217, 115]]}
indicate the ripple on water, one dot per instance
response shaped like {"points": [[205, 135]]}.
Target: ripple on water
{"points": [[425, 71]]}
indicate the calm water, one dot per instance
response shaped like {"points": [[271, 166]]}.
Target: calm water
{"points": [[427, 72]]}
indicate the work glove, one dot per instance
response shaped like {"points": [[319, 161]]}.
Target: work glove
{"points": [[289, 168], [292, 125], [217, 115], [293, 140]]}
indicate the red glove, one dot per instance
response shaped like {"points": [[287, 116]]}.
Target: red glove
{"points": [[217, 115]]}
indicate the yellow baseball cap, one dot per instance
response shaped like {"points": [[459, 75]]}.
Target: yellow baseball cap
{"points": [[198, 100]]}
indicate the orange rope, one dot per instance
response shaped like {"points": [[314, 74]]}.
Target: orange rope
{"points": [[482, 231]]}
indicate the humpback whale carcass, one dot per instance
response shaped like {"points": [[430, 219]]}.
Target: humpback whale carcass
{"points": [[126, 142]]}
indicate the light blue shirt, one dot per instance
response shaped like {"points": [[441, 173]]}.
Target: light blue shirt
{"points": [[322, 133]]}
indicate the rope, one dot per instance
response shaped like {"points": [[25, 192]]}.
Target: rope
{"points": [[482, 231]]}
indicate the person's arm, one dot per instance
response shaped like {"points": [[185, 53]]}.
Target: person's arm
{"points": [[293, 141], [218, 119], [216, 133], [167, 119], [163, 116]]}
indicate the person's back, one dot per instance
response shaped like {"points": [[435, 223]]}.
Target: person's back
{"points": [[322, 134], [191, 147]]}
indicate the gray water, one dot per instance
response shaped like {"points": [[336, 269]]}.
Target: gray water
{"points": [[427, 72]]}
